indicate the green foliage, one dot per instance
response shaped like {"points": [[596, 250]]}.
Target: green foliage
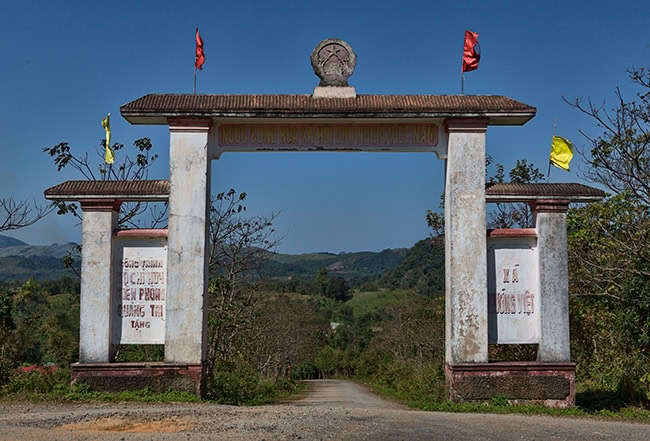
{"points": [[53, 387], [36, 382], [128, 353], [46, 318], [338, 289], [329, 361], [8, 340], [610, 259], [499, 401], [356, 268], [370, 306], [423, 269], [236, 382], [408, 381]]}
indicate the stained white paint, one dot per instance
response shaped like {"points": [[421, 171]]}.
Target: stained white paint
{"points": [[554, 342], [513, 294], [140, 281], [465, 249], [95, 303], [187, 280]]}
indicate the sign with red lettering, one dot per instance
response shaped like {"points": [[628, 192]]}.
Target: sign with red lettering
{"points": [[513, 280], [140, 293]]}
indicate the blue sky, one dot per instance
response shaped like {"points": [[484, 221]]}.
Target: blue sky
{"points": [[66, 64]]}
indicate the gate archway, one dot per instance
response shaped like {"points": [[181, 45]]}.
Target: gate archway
{"points": [[332, 118]]}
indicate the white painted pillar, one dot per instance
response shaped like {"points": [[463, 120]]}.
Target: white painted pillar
{"points": [[187, 257], [550, 222], [465, 243], [98, 222]]}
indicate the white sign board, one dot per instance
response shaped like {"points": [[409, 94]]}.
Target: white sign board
{"points": [[141, 289], [513, 281]]}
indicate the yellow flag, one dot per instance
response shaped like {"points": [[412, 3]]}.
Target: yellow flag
{"points": [[109, 157], [561, 152]]}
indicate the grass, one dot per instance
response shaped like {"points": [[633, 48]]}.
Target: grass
{"points": [[499, 405], [56, 388], [81, 394], [371, 302], [141, 396]]}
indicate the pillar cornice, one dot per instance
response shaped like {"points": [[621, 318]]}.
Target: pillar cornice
{"points": [[100, 204], [191, 125], [550, 205], [466, 125]]}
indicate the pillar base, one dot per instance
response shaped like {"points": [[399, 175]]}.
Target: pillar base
{"points": [[157, 376], [521, 382]]}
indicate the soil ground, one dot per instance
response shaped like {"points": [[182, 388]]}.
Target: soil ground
{"points": [[332, 410]]}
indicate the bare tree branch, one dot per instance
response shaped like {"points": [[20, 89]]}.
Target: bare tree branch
{"points": [[19, 214]]}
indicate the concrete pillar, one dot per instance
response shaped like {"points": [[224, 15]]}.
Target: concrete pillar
{"points": [[187, 257], [465, 243], [99, 221], [550, 222]]}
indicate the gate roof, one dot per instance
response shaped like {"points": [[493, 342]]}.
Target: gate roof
{"points": [[157, 108]]}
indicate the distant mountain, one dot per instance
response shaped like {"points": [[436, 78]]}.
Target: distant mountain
{"points": [[351, 266], [55, 250], [35, 267], [19, 261], [6, 241]]}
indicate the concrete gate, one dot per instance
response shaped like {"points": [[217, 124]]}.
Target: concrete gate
{"points": [[332, 118]]}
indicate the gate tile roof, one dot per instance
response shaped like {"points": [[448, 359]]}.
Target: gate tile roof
{"points": [[145, 190], [158, 190], [518, 192], [155, 108]]}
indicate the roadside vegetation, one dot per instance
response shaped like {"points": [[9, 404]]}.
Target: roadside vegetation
{"points": [[340, 318]]}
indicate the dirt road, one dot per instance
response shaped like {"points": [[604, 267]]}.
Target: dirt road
{"points": [[334, 410]]}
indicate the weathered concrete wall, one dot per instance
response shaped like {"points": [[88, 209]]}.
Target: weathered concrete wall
{"points": [[187, 276], [465, 243], [95, 303], [550, 222], [524, 382], [157, 376]]}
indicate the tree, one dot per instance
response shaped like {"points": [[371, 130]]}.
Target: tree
{"points": [[338, 289], [19, 214], [238, 248], [287, 329], [619, 157], [609, 257], [508, 215], [130, 169], [322, 278], [8, 340]]}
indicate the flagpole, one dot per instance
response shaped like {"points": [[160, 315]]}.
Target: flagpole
{"points": [[548, 175], [462, 83], [194, 78]]}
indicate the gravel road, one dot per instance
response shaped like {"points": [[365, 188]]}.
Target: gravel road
{"points": [[333, 410]]}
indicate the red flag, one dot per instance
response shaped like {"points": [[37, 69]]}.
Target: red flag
{"points": [[471, 51], [200, 55]]}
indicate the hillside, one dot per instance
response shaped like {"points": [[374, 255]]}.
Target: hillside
{"points": [[422, 269], [6, 241], [34, 267], [351, 266], [19, 261]]}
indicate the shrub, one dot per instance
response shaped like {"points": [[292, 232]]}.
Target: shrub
{"points": [[237, 383], [40, 381]]}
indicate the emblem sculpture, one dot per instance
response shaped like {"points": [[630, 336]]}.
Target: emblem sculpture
{"points": [[333, 61]]}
